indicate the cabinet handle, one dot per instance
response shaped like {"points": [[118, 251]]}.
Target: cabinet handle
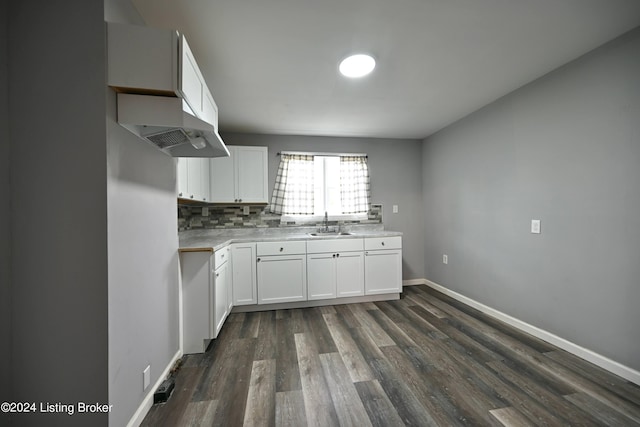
{"points": [[258, 260], [337, 255], [281, 249], [180, 194], [382, 243], [240, 200], [334, 255], [217, 274], [222, 256], [191, 197]]}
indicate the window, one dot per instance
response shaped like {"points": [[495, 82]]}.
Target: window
{"points": [[310, 185], [326, 188]]}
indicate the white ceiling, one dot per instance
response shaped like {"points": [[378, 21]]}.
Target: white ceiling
{"points": [[272, 64]]}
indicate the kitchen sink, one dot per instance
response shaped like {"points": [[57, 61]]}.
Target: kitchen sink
{"points": [[330, 233]]}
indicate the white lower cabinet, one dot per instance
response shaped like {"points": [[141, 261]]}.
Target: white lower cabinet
{"points": [[335, 268], [205, 289], [281, 272], [243, 273], [383, 265]]}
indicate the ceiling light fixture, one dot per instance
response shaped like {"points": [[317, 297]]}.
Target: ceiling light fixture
{"points": [[357, 65]]}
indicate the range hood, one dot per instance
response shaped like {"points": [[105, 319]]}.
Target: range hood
{"points": [[166, 123]]}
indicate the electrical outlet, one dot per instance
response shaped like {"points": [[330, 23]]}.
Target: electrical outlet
{"points": [[395, 208], [245, 210], [205, 211], [445, 259], [535, 226], [146, 377]]}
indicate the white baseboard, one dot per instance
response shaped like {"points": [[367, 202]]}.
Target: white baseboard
{"points": [[413, 282], [584, 353], [146, 404], [314, 303]]}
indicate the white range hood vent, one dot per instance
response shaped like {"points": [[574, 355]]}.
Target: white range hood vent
{"points": [[163, 122]]}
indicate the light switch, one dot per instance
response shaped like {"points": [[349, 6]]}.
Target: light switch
{"points": [[395, 208], [535, 226]]}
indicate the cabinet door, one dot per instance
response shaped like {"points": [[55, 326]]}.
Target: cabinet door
{"points": [[209, 108], [251, 174], [220, 298], [222, 180], [282, 279], [321, 276], [205, 191], [191, 82], [182, 177], [350, 274], [243, 278], [194, 178], [383, 272]]}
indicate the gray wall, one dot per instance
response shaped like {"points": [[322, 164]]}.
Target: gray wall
{"points": [[59, 207], [395, 170], [566, 150], [143, 256], [93, 230], [143, 266], [5, 277]]}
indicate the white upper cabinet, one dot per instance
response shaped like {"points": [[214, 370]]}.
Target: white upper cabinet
{"points": [[142, 59], [152, 61], [222, 173], [240, 178], [193, 87], [193, 179]]}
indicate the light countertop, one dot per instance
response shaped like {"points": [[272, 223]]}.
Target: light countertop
{"points": [[215, 239]]}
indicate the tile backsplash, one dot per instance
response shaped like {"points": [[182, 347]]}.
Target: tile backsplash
{"points": [[222, 217]]}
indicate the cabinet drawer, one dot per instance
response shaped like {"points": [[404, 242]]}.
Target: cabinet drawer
{"points": [[376, 243], [334, 245], [221, 256], [281, 248]]}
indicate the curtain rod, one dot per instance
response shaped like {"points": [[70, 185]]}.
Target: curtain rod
{"points": [[316, 153]]}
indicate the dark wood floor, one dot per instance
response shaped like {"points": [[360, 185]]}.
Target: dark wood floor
{"points": [[423, 360]]}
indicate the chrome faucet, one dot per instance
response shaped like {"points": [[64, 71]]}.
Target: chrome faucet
{"points": [[326, 222]]}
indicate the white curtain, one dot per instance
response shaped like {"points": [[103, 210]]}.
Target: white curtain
{"points": [[355, 190], [293, 190]]}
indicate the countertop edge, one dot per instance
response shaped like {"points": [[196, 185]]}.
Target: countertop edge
{"points": [[196, 249], [220, 242]]}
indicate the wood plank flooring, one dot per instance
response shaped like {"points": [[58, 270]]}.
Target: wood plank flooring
{"points": [[423, 360]]}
